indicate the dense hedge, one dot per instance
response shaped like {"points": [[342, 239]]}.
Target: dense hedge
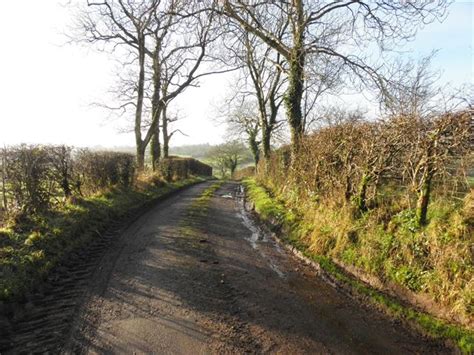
{"points": [[354, 161], [244, 173], [35, 177], [176, 168]]}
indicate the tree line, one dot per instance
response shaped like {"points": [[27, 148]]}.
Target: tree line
{"points": [[288, 53]]}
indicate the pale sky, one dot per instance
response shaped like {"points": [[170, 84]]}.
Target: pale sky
{"points": [[47, 89]]}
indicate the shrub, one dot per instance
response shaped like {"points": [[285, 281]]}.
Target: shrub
{"points": [[177, 168], [25, 178], [95, 171], [35, 177]]}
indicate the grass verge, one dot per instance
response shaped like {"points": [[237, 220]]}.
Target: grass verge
{"points": [[201, 204], [30, 248], [190, 227], [294, 230]]}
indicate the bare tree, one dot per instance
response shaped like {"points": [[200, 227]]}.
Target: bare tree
{"points": [[226, 157], [261, 81], [243, 124], [267, 83], [122, 24], [337, 30], [265, 71], [170, 38], [183, 33]]}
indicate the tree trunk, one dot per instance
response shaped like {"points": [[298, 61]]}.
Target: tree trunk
{"points": [[65, 186], [254, 149], [156, 110], [295, 90], [361, 199], [139, 107], [141, 155], [266, 137], [233, 167], [65, 172], [423, 200], [155, 148], [166, 136], [424, 190], [293, 98], [348, 192]]}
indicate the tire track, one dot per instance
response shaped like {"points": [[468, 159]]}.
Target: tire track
{"points": [[42, 323]]}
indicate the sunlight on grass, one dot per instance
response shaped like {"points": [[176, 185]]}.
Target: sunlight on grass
{"points": [[296, 231], [28, 251]]}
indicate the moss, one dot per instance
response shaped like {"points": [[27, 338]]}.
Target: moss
{"points": [[201, 204], [272, 209], [399, 251]]}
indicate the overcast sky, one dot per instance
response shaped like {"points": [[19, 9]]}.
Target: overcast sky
{"points": [[46, 89]]}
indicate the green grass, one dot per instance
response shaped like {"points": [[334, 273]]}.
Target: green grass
{"points": [[201, 204], [470, 180], [275, 211], [295, 231], [31, 247], [198, 208]]}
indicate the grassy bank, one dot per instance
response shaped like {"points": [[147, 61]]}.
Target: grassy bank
{"points": [[30, 247], [317, 234]]}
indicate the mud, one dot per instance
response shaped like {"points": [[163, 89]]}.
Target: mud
{"points": [[181, 282]]}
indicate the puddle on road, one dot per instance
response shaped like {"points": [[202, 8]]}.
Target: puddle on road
{"points": [[257, 237], [257, 234], [276, 269], [227, 196]]}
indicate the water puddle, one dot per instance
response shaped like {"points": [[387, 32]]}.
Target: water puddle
{"points": [[276, 269], [257, 234], [258, 239]]}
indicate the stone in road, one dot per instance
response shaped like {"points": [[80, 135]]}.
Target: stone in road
{"points": [[187, 281]]}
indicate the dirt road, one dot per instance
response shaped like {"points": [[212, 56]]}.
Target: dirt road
{"points": [[181, 282]]}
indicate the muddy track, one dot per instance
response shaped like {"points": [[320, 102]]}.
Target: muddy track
{"points": [[183, 281], [42, 323]]}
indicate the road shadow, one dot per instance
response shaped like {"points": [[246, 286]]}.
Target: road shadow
{"points": [[203, 264]]}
